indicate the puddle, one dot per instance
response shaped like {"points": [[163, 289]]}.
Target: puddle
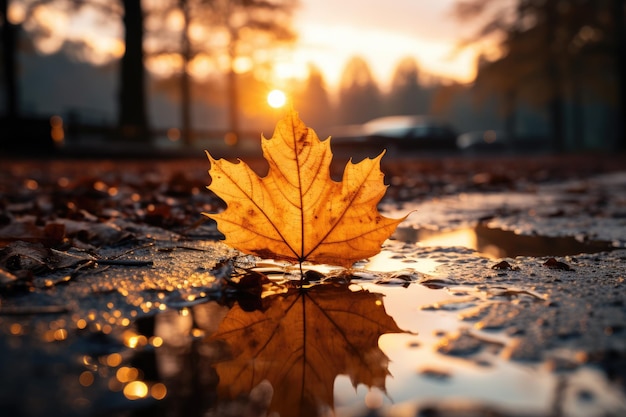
{"points": [[356, 350], [497, 243], [390, 261], [341, 349], [482, 381]]}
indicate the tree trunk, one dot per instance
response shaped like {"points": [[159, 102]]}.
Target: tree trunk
{"points": [[510, 114], [233, 108], [132, 119], [555, 102], [9, 61], [578, 107], [620, 70], [185, 88]]}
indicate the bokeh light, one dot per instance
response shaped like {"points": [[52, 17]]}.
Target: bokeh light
{"points": [[136, 390]]}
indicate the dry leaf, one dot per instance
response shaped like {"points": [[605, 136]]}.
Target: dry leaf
{"points": [[35, 257], [297, 212], [319, 333], [554, 264]]}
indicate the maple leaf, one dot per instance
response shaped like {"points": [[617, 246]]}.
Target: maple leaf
{"points": [[301, 342], [297, 212]]}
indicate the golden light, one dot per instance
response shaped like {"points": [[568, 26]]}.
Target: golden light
{"points": [[16, 329], [158, 391], [197, 333], [54, 23], [156, 341], [60, 334], [86, 379], [276, 99], [290, 71], [16, 13], [126, 374], [201, 66], [51, 18], [133, 340], [104, 48], [56, 130], [31, 184], [198, 32], [136, 390], [49, 45], [164, 65], [175, 20], [242, 64], [462, 237], [114, 359]]}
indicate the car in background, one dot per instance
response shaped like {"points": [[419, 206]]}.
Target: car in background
{"points": [[484, 141], [397, 133]]}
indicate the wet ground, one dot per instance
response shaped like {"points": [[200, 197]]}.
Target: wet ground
{"points": [[502, 294]]}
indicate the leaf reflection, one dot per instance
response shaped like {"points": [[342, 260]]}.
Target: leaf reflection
{"points": [[300, 342]]}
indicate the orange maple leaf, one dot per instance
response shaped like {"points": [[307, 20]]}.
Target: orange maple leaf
{"points": [[297, 212]]}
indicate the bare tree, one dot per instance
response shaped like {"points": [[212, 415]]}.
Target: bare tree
{"points": [[547, 47], [313, 102], [618, 13], [185, 81], [8, 33], [233, 29], [132, 117], [237, 28], [359, 96], [247, 25], [407, 96]]}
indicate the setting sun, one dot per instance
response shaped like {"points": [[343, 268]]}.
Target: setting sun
{"points": [[276, 99]]}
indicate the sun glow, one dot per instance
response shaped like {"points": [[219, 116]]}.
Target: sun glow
{"points": [[276, 99], [326, 42]]}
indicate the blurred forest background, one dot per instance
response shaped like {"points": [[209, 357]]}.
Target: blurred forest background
{"points": [[189, 70]]}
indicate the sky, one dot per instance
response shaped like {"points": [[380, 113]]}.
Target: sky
{"points": [[330, 33], [382, 32]]}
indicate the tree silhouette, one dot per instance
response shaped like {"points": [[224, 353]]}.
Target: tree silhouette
{"points": [[312, 101], [233, 29], [359, 96], [132, 118], [176, 40], [230, 32], [406, 95], [247, 27], [8, 32], [553, 52], [619, 24], [185, 79]]}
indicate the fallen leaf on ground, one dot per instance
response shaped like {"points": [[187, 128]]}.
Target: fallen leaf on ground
{"points": [[34, 257], [297, 212], [554, 264], [503, 265], [320, 333]]}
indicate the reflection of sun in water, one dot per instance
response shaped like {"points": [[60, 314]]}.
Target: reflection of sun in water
{"points": [[276, 99]]}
